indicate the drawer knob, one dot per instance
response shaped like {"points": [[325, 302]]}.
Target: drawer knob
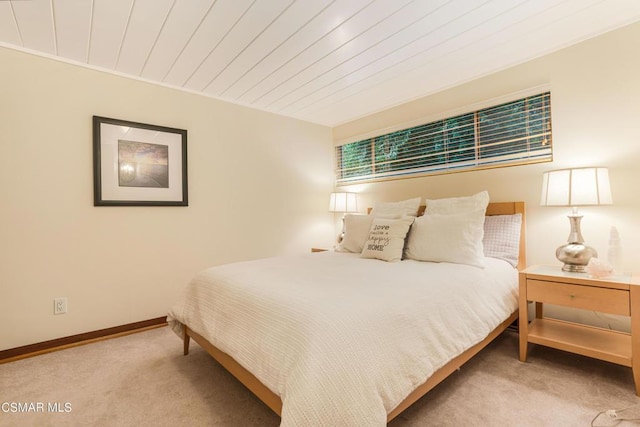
{"points": [[572, 296]]}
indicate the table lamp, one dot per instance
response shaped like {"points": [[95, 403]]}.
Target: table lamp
{"points": [[587, 186], [344, 203]]}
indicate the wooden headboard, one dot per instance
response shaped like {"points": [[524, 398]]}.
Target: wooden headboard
{"points": [[504, 208]]}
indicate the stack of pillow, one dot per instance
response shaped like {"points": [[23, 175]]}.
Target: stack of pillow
{"points": [[451, 230]]}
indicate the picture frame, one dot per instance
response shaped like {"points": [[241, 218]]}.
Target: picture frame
{"points": [[138, 164]]}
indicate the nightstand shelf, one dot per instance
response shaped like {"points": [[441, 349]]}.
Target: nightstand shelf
{"points": [[598, 343], [618, 295]]}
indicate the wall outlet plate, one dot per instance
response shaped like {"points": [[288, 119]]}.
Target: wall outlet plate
{"points": [[60, 305]]}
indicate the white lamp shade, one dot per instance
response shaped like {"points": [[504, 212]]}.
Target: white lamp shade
{"points": [[343, 202], [576, 187]]}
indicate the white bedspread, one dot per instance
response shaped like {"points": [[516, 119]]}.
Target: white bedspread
{"points": [[341, 339]]}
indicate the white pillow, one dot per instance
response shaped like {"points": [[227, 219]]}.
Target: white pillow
{"points": [[502, 237], [396, 210], [458, 204], [356, 232], [455, 238], [386, 238]]}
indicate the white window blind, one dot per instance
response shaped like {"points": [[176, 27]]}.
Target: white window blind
{"points": [[515, 132]]}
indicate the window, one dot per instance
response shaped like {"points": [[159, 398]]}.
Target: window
{"points": [[512, 133]]}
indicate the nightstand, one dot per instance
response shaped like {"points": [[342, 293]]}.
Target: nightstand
{"points": [[614, 295]]}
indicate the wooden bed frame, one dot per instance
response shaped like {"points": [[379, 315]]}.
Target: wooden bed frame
{"points": [[274, 402]]}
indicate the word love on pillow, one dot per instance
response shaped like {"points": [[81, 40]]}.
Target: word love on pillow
{"points": [[386, 238]]}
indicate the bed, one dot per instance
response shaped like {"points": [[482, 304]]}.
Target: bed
{"points": [[336, 339]]}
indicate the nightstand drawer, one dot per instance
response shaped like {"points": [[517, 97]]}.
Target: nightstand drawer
{"points": [[612, 301]]}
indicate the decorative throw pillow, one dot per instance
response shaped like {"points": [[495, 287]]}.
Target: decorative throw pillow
{"points": [[396, 210], [455, 238], [458, 204], [502, 237], [356, 232], [386, 238]]}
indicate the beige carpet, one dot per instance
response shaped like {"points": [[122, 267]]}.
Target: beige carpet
{"points": [[143, 380]]}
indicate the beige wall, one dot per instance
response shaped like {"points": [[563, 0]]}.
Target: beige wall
{"points": [[258, 186], [595, 89], [125, 264]]}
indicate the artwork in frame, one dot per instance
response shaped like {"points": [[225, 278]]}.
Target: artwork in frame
{"points": [[136, 164]]}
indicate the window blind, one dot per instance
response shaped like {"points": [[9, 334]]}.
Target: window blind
{"points": [[515, 132]]}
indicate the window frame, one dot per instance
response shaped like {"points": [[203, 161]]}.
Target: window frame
{"points": [[515, 157]]}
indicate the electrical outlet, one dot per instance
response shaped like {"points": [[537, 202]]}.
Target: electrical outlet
{"points": [[60, 305]]}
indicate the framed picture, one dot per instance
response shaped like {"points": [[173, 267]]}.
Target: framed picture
{"points": [[135, 164]]}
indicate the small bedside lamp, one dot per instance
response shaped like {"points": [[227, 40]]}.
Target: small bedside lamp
{"points": [[344, 203], [576, 187]]}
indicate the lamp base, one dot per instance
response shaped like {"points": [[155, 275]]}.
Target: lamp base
{"points": [[575, 256]]}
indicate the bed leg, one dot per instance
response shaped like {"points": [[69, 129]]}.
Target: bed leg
{"points": [[186, 341]]}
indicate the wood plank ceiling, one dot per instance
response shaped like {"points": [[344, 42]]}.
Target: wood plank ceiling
{"points": [[325, 61]]}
